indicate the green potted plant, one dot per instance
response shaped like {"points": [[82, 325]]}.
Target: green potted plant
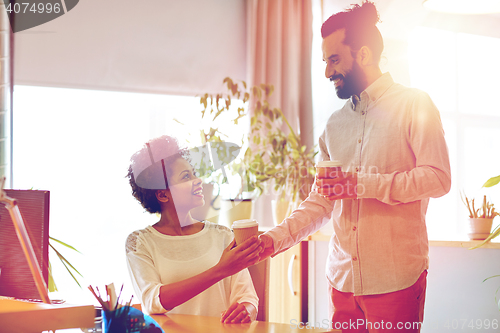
{"points": [[273, 158], [278, 158], [220, 114], [69, 267]]}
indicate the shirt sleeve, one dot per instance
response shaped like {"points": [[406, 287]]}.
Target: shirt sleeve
{"points": [[431, 176], [312, 214], [145, 277], [242, 289], [323, 150]]}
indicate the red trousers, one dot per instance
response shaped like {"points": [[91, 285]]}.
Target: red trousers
{"points": [[399, 311]]}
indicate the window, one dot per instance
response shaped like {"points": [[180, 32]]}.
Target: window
{"points": [[77, 144], [460, 73]]}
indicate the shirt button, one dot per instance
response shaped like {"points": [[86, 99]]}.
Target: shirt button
{"points": [[357, 169], [359, 140], [353, 228], [363, 113], [354, 258]]}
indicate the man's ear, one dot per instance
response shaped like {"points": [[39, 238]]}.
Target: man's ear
{"points": [[364, 56], [163, 195]]}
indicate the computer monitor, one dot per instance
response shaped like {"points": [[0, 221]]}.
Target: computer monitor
{"points": [[16, 279]]}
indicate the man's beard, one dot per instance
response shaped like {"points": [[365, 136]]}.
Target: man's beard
{"points": [[353, 82]]}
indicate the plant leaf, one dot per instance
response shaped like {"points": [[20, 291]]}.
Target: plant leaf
{"points": [[492, 181], [62, 243], [491, 277], [67, 265], [493, 234], [52, 285]]}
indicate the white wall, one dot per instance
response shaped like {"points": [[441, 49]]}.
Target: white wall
{"points": [[456, 300], [156, 46]]}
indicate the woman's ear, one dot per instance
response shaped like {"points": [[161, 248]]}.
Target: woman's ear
{"points": [[163, 195]]}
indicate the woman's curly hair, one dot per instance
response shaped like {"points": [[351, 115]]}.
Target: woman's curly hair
{"points": [[147, 168]]}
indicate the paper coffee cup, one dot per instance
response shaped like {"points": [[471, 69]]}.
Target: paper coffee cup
{"points": [[244, 229], [328, 169]]}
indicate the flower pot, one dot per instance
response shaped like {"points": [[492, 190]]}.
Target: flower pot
{"points": [[479, 228], [233, 210], [282, 209]]}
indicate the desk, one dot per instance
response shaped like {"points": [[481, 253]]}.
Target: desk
{"points": [[177, 323], [24, 317]]}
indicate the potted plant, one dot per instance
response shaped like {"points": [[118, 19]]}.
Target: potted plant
{"points": [[220, 114], [489, 183], [278, 158], [480, 219], [273, 158]]}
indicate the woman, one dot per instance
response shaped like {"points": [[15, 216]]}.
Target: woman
{"points": [[181, 265]]}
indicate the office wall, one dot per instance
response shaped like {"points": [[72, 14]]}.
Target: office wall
{"points": [[456, 300], [156, 46]]}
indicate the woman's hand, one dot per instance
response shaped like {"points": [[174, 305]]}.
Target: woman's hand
{"points": [[236, 258], [233, 260], [239, 313]]}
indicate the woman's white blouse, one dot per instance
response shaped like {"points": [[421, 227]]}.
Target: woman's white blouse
{"points": [[155, 259]]}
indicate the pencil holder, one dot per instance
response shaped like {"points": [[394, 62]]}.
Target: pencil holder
{"points": [[127, 319]]}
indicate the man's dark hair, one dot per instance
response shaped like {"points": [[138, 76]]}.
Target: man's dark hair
{"points": [[360, 27]]}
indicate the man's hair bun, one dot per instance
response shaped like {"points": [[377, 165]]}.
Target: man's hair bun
{"points": [[366, 13], [360, 24]]}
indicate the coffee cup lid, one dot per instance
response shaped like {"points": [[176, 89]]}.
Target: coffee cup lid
{"points": [[244, 223], [329, 164]]}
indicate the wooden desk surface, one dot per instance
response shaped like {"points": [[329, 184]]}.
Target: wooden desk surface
{"points": [[176, 323], [20, 316]]}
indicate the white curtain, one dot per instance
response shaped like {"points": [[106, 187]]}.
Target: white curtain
{"points": [[279, 53]]}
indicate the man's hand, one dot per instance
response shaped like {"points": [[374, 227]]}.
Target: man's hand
{"points": [[239, 313], [267, 245], [343, 187]]}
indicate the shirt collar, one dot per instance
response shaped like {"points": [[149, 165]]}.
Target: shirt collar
{"points": [[374, 90]]}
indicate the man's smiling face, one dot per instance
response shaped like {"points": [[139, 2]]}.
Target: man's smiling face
{"points": [[341, 67]]}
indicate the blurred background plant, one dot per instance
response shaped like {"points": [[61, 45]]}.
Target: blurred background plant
{"points": [[486, 210], [69, 267], [495, 232], [275, 155], [489, 183], [269, 153]]}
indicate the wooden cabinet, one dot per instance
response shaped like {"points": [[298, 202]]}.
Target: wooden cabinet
{"points": [[288, 286]]}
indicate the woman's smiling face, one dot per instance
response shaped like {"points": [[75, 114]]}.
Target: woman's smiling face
{"points": [[184, 185]]}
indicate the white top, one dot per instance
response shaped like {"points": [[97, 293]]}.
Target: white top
{"points": [[155, 259]]}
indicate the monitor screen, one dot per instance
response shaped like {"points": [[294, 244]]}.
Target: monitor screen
{"points": [[15, 275]]}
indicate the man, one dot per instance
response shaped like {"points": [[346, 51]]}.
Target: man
{"points": [[390, 141]]}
